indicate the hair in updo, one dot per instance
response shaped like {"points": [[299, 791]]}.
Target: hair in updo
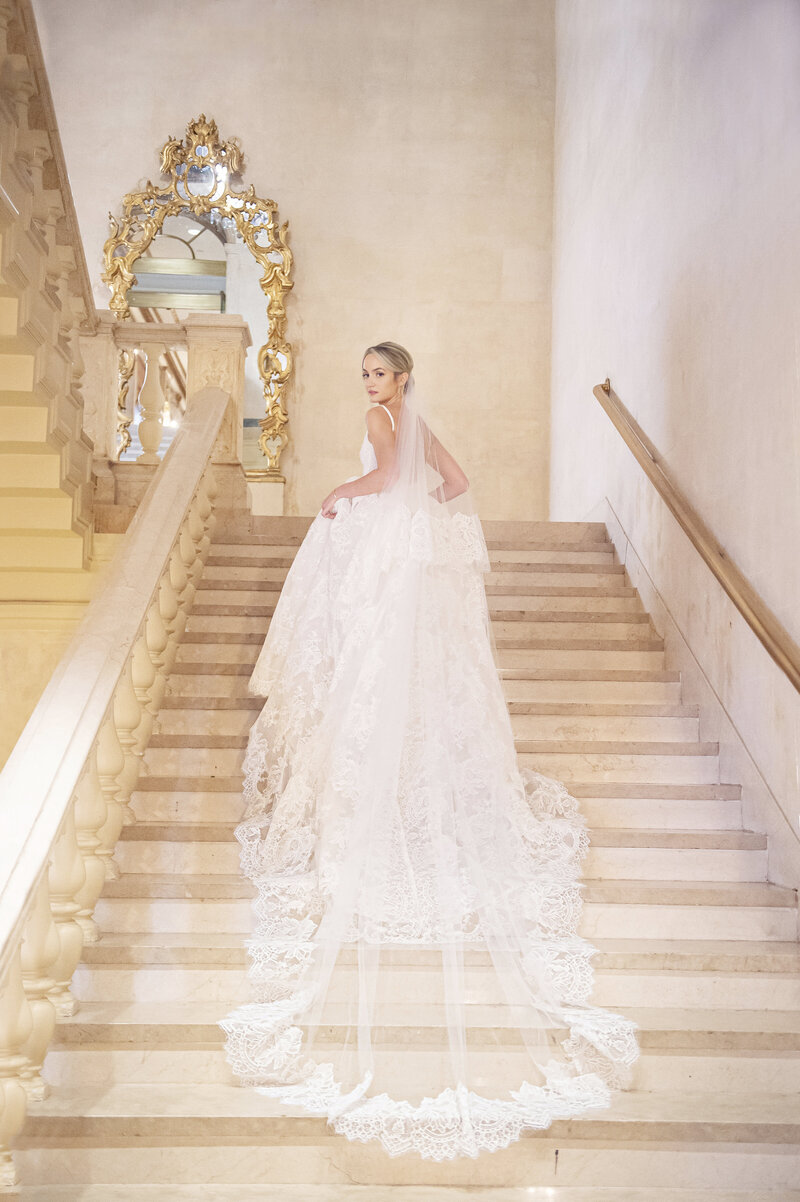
{"points": [[395, 356]]}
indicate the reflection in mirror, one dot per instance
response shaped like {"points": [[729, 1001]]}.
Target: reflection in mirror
{"points": [[198, 264]]}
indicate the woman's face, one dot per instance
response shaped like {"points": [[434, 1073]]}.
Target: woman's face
{"points": [[380, 381]]}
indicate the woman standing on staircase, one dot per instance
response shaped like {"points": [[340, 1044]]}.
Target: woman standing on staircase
{"points": [[410, 872]]}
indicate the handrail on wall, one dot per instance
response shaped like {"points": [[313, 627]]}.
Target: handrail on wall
{"points": [[762, 621]]}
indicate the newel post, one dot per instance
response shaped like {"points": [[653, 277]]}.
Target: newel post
{"points": [[217, 346]]}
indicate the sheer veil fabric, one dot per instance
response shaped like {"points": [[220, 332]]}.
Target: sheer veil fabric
{"points": [[418, 977]]}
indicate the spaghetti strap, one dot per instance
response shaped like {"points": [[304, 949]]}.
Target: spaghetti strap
{"points": [[391, 419]]}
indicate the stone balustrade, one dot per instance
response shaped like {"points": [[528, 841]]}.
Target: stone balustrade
{"points": [[65, 790], [212, 346]]}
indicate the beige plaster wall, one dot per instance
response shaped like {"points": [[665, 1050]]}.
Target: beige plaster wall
{"points": [[676, 267], [409, 144]]}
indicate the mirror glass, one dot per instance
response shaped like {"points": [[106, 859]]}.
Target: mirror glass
{"points": [[201, 264]]}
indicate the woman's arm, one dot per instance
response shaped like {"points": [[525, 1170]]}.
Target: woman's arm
{"points": [[381, 435]]}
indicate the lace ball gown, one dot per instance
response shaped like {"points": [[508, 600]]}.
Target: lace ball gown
{"points": [[417, 972]]}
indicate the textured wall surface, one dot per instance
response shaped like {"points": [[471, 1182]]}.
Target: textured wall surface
{"points": [[676, 261], [408, 143]]}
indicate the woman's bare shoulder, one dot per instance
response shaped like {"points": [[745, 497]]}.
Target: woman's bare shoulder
{"points": [[377, 418]]}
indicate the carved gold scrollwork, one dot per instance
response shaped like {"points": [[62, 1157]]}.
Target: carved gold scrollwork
{"points": [[200, 171], [127, 361]]}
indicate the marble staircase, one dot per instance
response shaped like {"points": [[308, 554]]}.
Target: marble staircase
{"points": [[45, 456], [694, 941]]}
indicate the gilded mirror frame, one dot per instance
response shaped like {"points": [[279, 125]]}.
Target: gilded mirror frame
{"points": [[199, 172]]}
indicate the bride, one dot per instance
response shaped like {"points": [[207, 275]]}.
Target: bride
{"points": [[417, 971]]}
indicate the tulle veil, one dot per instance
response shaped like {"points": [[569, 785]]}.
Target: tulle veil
{"points": [[417, 971]]}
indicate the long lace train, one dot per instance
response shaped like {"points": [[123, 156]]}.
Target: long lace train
{"points": [[418, 974]]}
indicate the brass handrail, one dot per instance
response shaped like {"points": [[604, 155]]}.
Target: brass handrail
{"points": [[762, 621]]}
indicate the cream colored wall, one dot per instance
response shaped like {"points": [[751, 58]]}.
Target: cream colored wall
{"points": [[676, 261], [409, 144]]}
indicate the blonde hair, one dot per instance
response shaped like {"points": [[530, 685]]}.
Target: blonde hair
{"points": [[395, 356]]}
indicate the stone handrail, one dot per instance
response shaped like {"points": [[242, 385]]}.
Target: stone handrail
{"points": [[65, 790]]}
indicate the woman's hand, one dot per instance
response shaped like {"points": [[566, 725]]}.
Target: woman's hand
{"points": [[328, 510]]}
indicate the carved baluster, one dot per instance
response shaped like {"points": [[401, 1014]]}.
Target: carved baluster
{"points": [[179, 578], [110, 763], [66, 879], [127, 716], [210, 488], [196, 528], [144, 674], [91, 815], [168, 600], [170, 612], [41, 948], [151, 402], [157, 637], [16, 1023], [188, 553]]}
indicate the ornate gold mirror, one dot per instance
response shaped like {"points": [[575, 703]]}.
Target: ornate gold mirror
{"points": [[182, 245]]}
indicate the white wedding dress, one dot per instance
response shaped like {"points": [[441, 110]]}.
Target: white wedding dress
{"points": [[417, 970]]}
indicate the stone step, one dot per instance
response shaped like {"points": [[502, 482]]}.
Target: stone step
{"points": [[389, 1193], [533, 653], [50, 548], [229, 950], [583, 760], [579, 685], [42, 584], [589, 760], [612, 909], [604, 578], [599, 919], [94, 1063], [687, 857], [220, 834], [508, 636], [612, 987], [686, 807], [536, 581], [237, 527], [24, 417], [660, 1028], [530, 720], [230, 593], [17, 363], [131, 1132], [35, 509], [25, 464], [9, 324], [514, 625], [614, 595], [500, 551]]}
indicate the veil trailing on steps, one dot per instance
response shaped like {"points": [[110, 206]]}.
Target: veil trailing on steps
{"points": [[417, 970]]}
